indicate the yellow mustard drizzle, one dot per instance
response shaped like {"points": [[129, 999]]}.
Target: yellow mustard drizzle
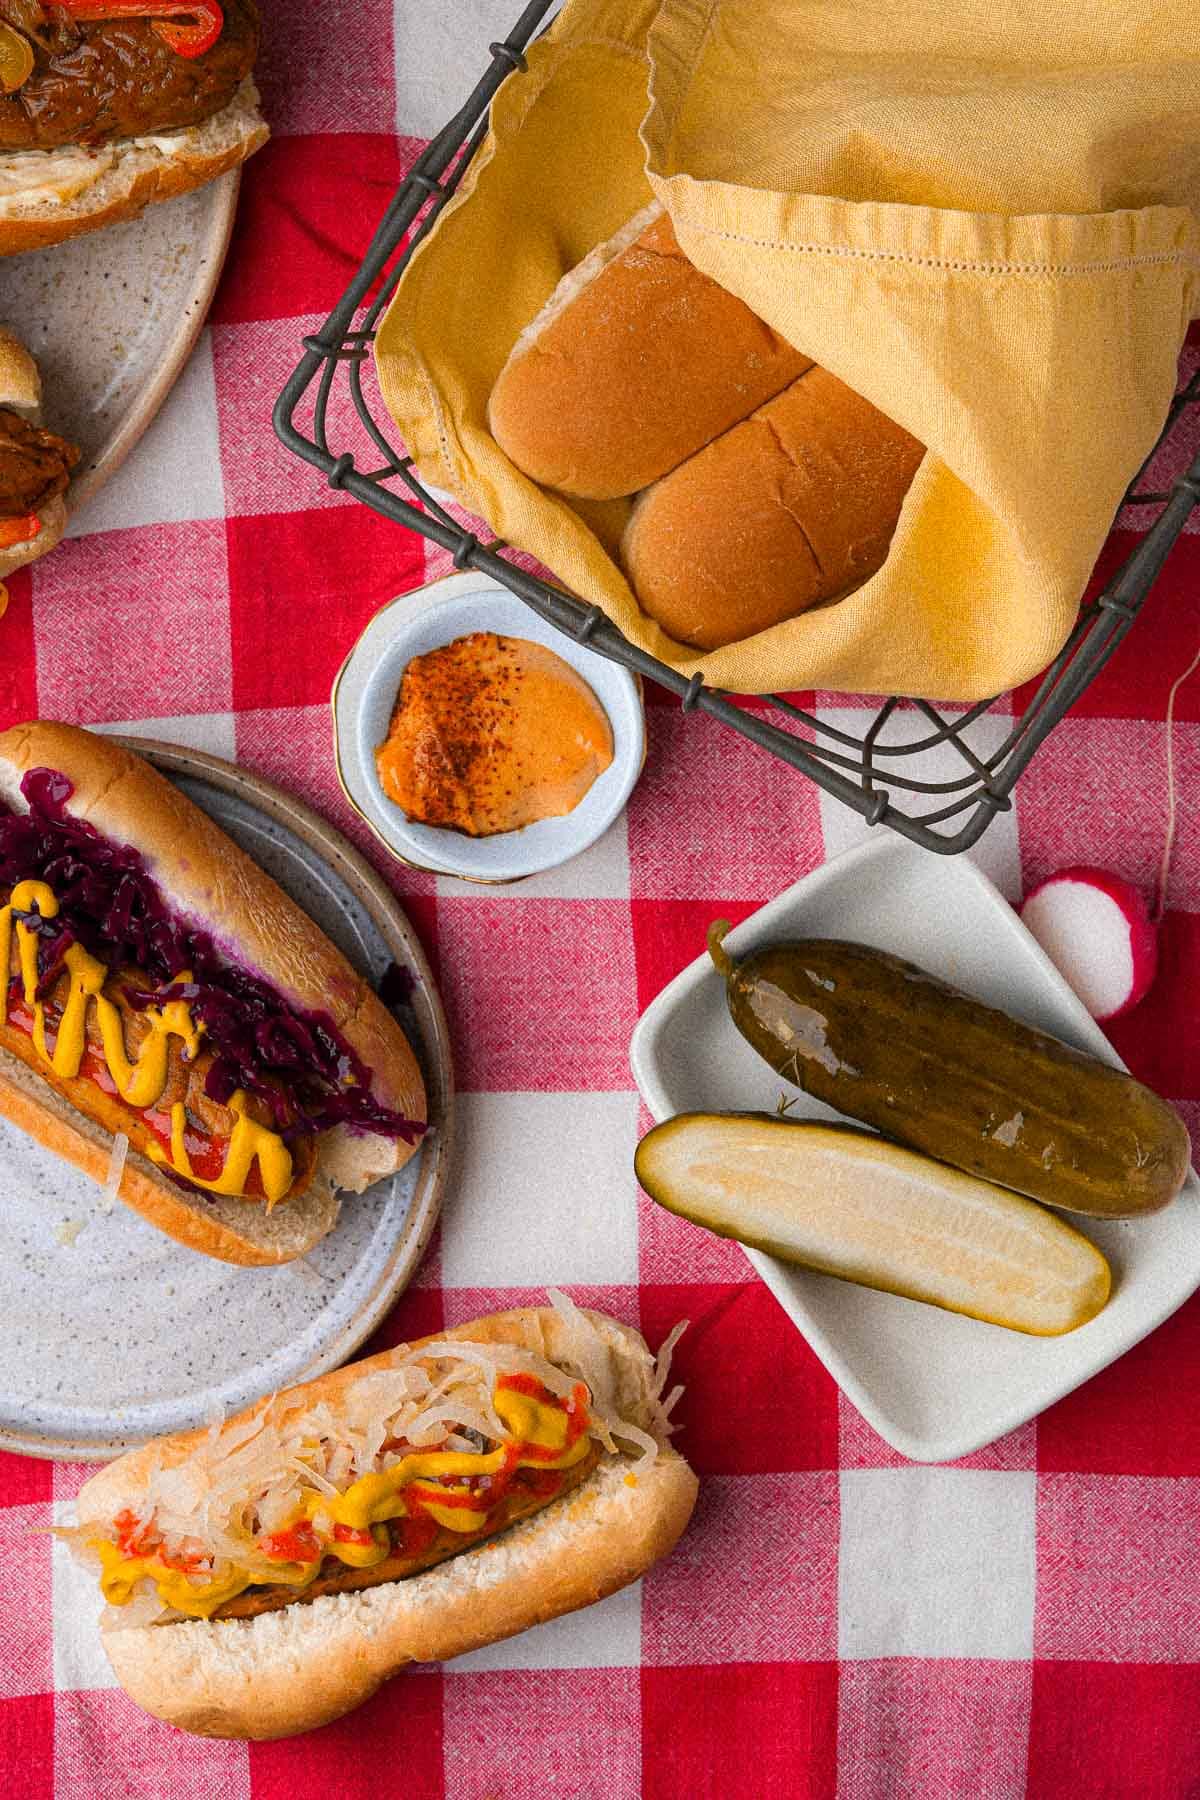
{"points": [[140, 1083], [247, 1140], [366, 1505]]}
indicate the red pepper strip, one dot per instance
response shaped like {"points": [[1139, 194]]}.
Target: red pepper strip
{"points": [[15, 531], [298, 1544], [207, 19]]}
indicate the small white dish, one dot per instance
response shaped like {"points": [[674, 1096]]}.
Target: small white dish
{"points": [[364, 696], [935, 1385]]}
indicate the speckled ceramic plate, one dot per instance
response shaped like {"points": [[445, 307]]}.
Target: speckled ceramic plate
{"points": [[113, 316], [110, 1332]]}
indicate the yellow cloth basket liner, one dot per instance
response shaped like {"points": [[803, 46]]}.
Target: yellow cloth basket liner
{"points": [[986, 218]]}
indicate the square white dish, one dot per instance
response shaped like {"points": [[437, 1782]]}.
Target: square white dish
{"points": [[935, 1385]]}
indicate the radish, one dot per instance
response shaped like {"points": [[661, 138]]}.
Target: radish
{"points": [[1097, 931]]}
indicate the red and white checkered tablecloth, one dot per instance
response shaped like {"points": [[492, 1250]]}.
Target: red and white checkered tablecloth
{"points": [[836, 1622]]}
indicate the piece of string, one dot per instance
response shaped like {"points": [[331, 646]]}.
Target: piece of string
{"points": [[1164, 868]]}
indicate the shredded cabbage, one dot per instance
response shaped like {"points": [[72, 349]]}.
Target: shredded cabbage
{"points": [[249, 1478]]}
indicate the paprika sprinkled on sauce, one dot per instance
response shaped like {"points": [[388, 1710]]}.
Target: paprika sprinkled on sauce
{"points": [[490, 734]]}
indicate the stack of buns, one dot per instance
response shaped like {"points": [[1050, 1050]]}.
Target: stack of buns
{"points": [[762, 484]]}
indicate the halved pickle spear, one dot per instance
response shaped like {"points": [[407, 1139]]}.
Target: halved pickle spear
{"points": [[850, 1204]]}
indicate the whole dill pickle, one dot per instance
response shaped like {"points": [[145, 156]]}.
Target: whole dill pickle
{"points": [[892, 1046]]}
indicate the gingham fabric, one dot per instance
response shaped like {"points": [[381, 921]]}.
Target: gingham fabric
{"points": [[836, 1622]]}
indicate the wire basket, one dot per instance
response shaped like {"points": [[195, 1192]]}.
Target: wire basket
{"points": [[895, 772]]}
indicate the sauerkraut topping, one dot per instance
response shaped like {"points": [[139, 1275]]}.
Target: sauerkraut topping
{"points": [[435, 1436]]}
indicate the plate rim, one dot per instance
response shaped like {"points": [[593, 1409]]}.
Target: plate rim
{"points": [[138, 420], [916, 1448], [437, 1151]]}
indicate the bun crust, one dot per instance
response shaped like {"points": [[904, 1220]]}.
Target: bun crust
{"points": [[794, 507], [207, 878], [292, 1670], [138, 173], [635, 362], [20, 382]]}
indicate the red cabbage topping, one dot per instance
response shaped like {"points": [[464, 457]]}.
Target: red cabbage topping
{"points": [[298, 1062]]}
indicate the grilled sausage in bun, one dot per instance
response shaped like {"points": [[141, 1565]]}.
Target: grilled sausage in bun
{"points": [[171, 1022], [35, 465], [108, 105], [265, 1576]]}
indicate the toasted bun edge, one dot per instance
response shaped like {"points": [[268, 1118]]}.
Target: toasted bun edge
{"points": [[290, 1671]]}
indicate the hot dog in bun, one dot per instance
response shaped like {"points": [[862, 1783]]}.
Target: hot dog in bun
{"points": [[171, 1022], [35, 465], [108, 105], [266, 1576]]}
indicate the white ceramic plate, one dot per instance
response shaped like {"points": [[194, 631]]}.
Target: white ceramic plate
{"points": [[121, 1334], [113, 316], [934, 1384], [364, 696]]}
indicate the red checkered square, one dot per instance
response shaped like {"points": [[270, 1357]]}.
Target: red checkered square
{"points": [[251, 362], [25, 1600], [18, 665], [316, 74], [302, 591], [540, 994], [754, 1578], [70, 1477], [105, 1748], [1160, 1038], [762, 1729], [670, 934], [714, 814], [938, 1729], [1137, 1417], [419, 1312], [309, 207], [402, 1724], [134, 624], [777, 1407], [1114, 1732], [27, 1746], [1118, 1575], [1136, 682], [1096, 793], [517, 1733], [861, 1447], [293, 746], [673, 1249], [24, 1480]]}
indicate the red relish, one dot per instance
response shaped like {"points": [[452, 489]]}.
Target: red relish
{"points": [[109, 903]]}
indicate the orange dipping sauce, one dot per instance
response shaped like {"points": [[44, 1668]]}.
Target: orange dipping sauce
{"points": [[492, 733]]}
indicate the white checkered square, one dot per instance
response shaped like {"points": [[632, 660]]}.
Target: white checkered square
{"points": [[605, 1636], [936, 1562], [214, 733], [440, 54], [175, 472], [79, 1659], [997, 853], [544, 1191]]}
